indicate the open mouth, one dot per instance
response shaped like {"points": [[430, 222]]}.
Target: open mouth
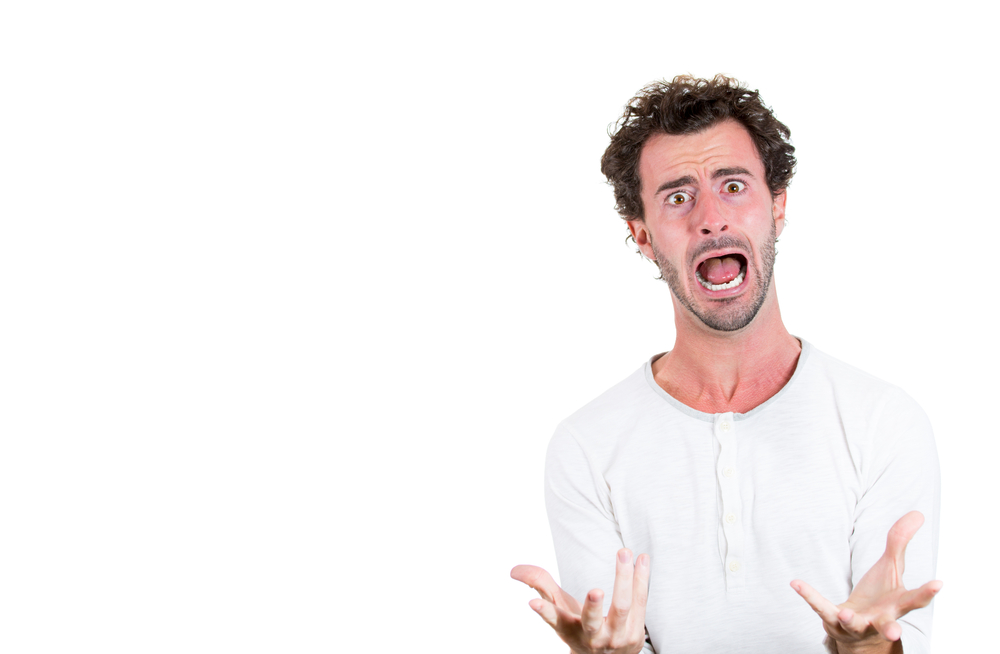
{"points": [[722, 272]]}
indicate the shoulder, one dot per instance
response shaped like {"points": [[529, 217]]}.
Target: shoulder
{"points": [[599, 424], [860, 397], [848, 380]]}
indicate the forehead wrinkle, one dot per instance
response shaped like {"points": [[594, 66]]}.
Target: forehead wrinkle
{"points": [[699, 163], [700, 154]]}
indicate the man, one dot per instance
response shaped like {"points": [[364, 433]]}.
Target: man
{"points": [[743, 461]]}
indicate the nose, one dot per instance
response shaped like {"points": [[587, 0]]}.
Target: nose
{"points": [[710, 216]]}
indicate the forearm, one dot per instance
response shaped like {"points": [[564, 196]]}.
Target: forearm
{"points": [[880, 647]]}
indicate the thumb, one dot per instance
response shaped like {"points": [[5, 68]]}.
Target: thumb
{"points": [[901, 534]]}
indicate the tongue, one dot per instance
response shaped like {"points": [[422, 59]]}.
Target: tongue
{"points": [[720, 271]]}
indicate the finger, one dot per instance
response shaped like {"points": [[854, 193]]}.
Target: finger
{"points": [[853, 623], [900, 535], [826, 609], [547, 610], [557, 618], [889, 629], [621, 598], [592, 615], [538, 579], [919, 597], [640, 593]]}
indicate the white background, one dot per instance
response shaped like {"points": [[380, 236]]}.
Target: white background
{"points": [[292, 296]]}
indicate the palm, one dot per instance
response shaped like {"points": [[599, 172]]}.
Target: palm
{"points": [[584, 627], [879, 598]]}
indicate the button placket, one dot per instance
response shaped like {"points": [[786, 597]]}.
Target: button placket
{"points": [[727, 474]]}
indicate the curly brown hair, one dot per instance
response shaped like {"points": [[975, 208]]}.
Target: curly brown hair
{"points": [[688, 105]]}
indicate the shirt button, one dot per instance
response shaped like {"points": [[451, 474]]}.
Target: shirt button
{"points": [[734, 566], [729, 472], [731, 518], [724, 425]]}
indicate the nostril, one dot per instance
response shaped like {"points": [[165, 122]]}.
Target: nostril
{"points": [[724, 228]]}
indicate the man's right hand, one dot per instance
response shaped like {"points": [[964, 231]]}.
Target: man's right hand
{"points": [[585, 629]]}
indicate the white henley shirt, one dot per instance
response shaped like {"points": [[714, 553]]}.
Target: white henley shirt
{"points": [[732, 507]]}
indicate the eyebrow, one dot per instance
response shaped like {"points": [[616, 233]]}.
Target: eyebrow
{"points": [[687, 179], [680, 181], [725, 172]]}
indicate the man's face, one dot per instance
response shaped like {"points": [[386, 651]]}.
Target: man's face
{"points": [[710, 222]]}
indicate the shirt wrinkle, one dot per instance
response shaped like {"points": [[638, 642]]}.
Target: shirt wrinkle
{"points": [[731, 509]]}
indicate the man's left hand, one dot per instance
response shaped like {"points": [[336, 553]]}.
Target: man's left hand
{"points": [[867, 620]]}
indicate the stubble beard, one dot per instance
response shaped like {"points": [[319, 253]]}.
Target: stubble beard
{"points": [[733, 313]]}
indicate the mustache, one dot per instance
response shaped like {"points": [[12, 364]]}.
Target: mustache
{"points": [[721, 243]]}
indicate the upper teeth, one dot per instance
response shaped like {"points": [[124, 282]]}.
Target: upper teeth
{"points": [[736, 281]]}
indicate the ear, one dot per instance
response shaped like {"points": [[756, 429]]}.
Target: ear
{"points": [[641, 236], [778, 211]]}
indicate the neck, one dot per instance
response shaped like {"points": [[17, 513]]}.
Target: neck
{"points": [[718, 372]]}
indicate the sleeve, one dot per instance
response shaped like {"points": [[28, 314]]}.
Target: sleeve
{"points": [[585, 532], [903, 475]]}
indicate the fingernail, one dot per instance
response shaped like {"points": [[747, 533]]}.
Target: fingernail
{"points": [[643, 560], [624, 556]]}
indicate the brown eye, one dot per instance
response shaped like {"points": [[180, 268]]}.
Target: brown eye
{"points": [[734, 187], [679, 198]]}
